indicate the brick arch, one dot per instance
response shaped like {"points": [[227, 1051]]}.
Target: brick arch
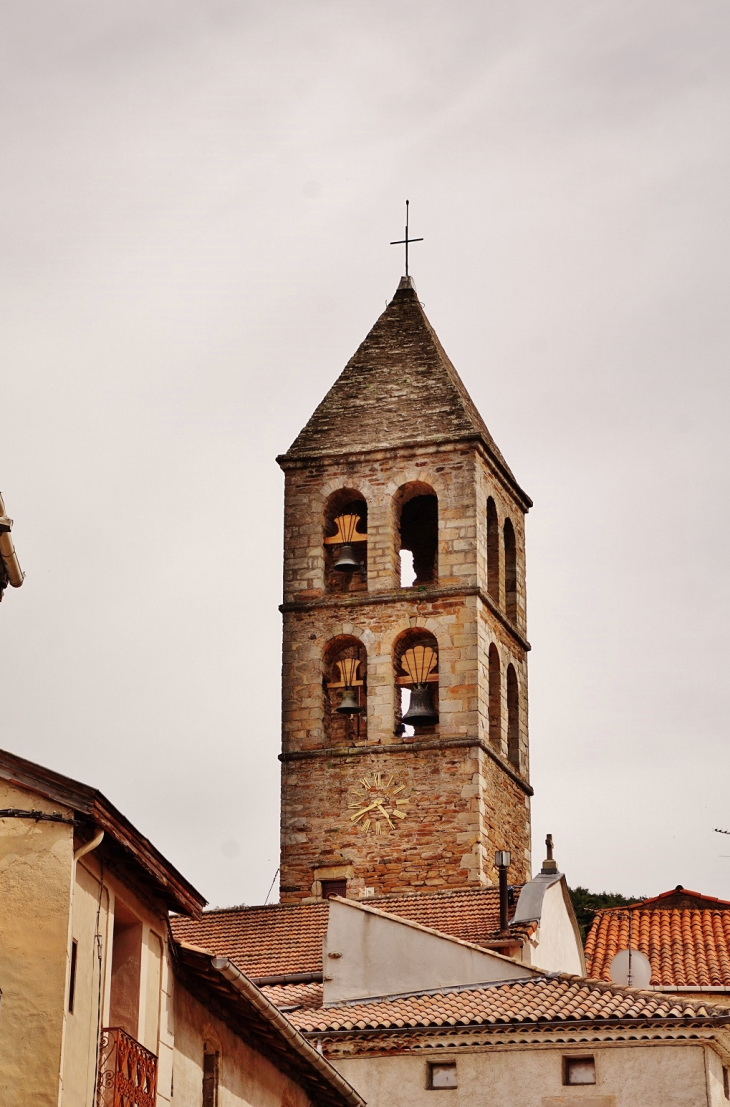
{"points": [[409, 474], [365, 635], [431, 624], [329, 487]]}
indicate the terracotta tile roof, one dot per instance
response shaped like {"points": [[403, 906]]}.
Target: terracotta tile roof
{"points": [[287, 938], [471, 914], [295, 995], [263, 941], [687, 945], [399, 387], [528, 1002]]}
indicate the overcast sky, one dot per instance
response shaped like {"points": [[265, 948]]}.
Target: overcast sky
{"points": [[196, 203]]}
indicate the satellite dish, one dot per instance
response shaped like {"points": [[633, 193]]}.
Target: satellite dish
{"points": [[631, 967]]}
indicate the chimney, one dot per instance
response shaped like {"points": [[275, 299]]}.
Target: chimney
{"points": [[502, 860]]}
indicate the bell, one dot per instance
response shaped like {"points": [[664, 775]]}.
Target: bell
{"points": [[420, 710], [348, 705], [346, 562]]}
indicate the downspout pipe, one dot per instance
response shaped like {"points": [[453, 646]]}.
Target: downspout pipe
{"points": [[297, 1041], [89, 846]]}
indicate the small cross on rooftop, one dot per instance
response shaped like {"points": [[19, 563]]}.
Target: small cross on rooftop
{"points": [[405, 241]]}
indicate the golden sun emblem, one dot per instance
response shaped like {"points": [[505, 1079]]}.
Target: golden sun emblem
{"points": [[378, 806]]}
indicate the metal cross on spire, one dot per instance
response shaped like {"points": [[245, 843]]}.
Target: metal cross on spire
{"points": [[406, 240]]}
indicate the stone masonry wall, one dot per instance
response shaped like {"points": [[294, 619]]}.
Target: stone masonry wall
{"points": [[466, 806], [461, 808]]}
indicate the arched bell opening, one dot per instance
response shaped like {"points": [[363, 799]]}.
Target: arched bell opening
{"points": [[344, 686], [492, 550], [417, 525], [415, 662], [510, 570], [345, 541], [495, 700], [513, 718]]}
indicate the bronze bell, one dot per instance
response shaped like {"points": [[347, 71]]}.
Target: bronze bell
{"points": [[420, 710], [348, 705], [346, 561]]}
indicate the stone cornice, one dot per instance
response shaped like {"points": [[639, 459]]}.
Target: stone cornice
{"points": [[408, 595], [410, 747], [422, 446]]}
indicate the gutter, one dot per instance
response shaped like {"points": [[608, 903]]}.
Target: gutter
{"points": [[567, 1025], [8, 556], [297, 1041], [288, 978], [695, 988]]}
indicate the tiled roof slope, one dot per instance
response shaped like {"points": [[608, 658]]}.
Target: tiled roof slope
{"points": [[685, 935], [399, 388], [295, 995], [287, 938], [263, 941], [546, 999]]}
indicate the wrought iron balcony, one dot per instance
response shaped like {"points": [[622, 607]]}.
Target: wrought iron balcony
{"points": [[127, 1072]]}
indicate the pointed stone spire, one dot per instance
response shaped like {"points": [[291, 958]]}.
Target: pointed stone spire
{"points": [[399, 388]]}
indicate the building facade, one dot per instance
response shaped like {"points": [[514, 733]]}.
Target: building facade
{"points": [[100, 1007]]}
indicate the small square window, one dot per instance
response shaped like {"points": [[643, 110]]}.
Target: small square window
{"points": [[442, 1074], [579, 1070], [334, 888]]}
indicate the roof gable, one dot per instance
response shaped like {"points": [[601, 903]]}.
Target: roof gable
{"points": [[370, 952]]}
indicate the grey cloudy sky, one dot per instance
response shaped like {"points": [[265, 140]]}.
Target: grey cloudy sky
{"points": [[196, 200]]}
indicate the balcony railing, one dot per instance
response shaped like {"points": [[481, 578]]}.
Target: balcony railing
{"points": [[127, 1072]]}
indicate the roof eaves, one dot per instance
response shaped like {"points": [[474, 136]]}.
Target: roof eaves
{"points": [[244, 998]]}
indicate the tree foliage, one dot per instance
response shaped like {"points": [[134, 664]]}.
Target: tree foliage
{"points": [[585, 905]]}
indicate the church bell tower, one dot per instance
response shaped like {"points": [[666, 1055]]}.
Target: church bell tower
{"points": [[404, 747]]}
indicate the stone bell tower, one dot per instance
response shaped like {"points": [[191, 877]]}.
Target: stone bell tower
{"points": [[378, 796]]}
